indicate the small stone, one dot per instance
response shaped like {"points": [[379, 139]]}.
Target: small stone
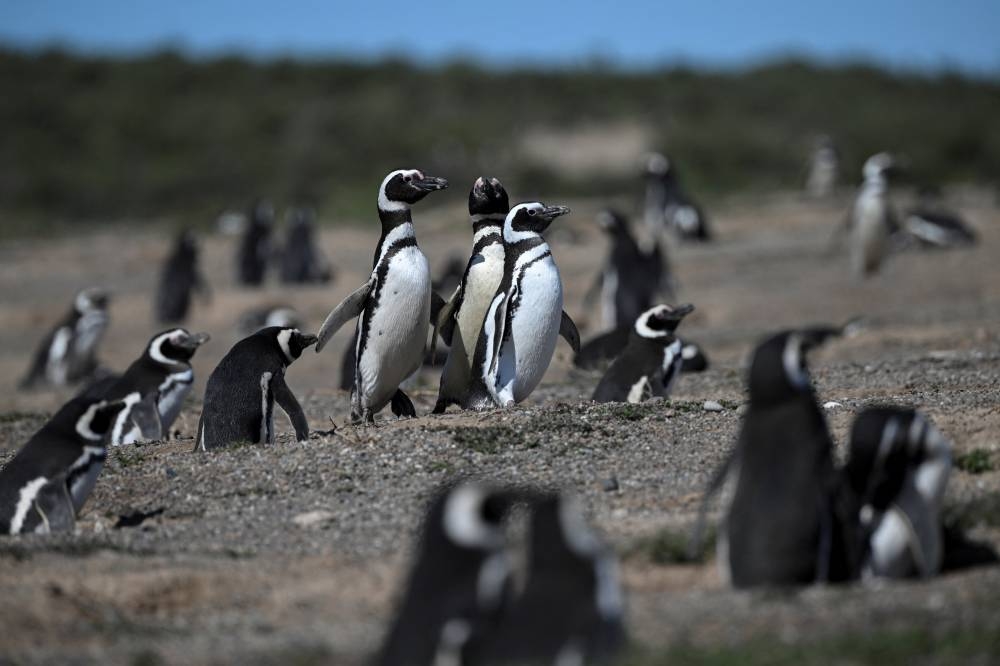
{"points": [[712, 406], [743, 409], [830, 404], [311, 518], [171, 473], [610, 484]]}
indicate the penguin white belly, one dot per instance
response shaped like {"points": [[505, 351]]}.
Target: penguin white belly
{"points": [[172, 394], [534, 331], [870, 234], [397, 332]]}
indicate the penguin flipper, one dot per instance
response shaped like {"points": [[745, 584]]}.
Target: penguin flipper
{"points": [[567, 329], [146, 416], [286, 400], [402, 406], [348, 309], [496, 342], [445, 319], [54, 505]]}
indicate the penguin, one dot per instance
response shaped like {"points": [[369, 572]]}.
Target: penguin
{"points": [[571, 608], [254, 319], [459, 582], [897, 468], [872, 220], [823, 169], [650, 363], [302, 262], [394, 307], [668, 205], [934, 226], [178, 278], [525, 316], [600, 350], [45, 485], [163, 376], [785, 524], [450, 276], [255, 245], [67, 354], [461, 319], [241, 391]]}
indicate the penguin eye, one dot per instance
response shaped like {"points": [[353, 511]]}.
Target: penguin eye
{"points": [[531, 211], [407, 178]]}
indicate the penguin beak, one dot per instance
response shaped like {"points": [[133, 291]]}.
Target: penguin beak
{"points": [[198, 339], [430, 184], [679, 312], [308, 340], [552, 212]]}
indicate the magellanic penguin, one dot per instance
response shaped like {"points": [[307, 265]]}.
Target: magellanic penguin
{"points": [[47, 482], [163, 376], [650, 363], [785, 524], [302, 261], [178, 279], [934, 226], [668, 205], [898, 467], [461, 319], [824, 167], [571, 608], [242, 390], [872, 220], [525, 316], [67, 354], [393, 307], [459, 582], [255, 245]]}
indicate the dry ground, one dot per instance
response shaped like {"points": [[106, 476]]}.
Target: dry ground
{"points": [[225, 574]]}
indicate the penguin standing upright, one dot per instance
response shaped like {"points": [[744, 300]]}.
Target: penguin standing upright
{"points": [[461, 319], [872, 220], [897, 469], [651, 361], [571, 608], [67, 354], [459, 581], [393, 307], [242, 390], [668, 205], [823, 169], [783, 525], [46, 483], [525, 316], [162, 376], [255, 244], [302, 262], [179, 277]]}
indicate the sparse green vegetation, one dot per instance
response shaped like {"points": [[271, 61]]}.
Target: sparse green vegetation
{"points": [[670, 547], [976, 461]]}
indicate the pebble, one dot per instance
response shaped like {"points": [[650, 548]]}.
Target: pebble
{"points": [[712, 406], [610, 484], [310, 518]]}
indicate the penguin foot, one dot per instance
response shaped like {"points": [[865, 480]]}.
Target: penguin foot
{"points": [[402, 405]]}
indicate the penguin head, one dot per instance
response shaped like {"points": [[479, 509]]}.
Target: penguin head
{"points": [[660, 321], [612, 222], [290, 341], [92, 299], [186, 243], [879, 167], [779, 371], [657, 165], [262, 213], [488, 199], [405, 187], [95, 418], [175, 346], [468, 516], [528, 220]]}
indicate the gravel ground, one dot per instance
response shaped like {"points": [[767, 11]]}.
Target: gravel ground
{"points": [[294, 552]]}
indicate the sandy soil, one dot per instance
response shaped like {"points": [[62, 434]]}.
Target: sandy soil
{"points": [[225, 574]]}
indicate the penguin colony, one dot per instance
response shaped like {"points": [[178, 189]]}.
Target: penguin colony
{"points": [[465, 602]]}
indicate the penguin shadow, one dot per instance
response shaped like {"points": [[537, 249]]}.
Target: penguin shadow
{"points": [[961, 552]]}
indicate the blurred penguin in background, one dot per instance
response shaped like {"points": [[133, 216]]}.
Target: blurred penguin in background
{"points": [[68, 353], [934, 226], [254, 319], [668, 205], [872, 220], [823, 169], [178, 279], [255, 245], [302, 262]]}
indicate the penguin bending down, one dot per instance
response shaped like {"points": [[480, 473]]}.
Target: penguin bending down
{"points": [[871, 220], [460, 580], [302, 262], [46, 483], [67, 354], [934, 226], [255, 245], [525, 316], [897, 469], [650, 363], [179, 277], [786, 523], [394, 307], [242, 390], [600, 350], [461, 319], [163, 376], [667, 204]]}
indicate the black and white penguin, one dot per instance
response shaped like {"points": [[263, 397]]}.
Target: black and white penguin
{"points": [[897, 469], [242, 390], [393, 307], [651, 362], [525, 316], [933, 226], [600, 350], [461, 319], [178, 279], [254, 319], [163, 376], [571, 608], [668, 205], [824, 168], [784, 524], [46, 483], [255, 245], [872, 220], [67, 354], [302, 261], [459, 582]]}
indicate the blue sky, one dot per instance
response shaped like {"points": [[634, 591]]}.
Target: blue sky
{"points": [[925, 35]]}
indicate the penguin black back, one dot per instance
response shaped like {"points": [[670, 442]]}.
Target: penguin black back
{"points": [[179, 277], [255, 244], [301, 260]]}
